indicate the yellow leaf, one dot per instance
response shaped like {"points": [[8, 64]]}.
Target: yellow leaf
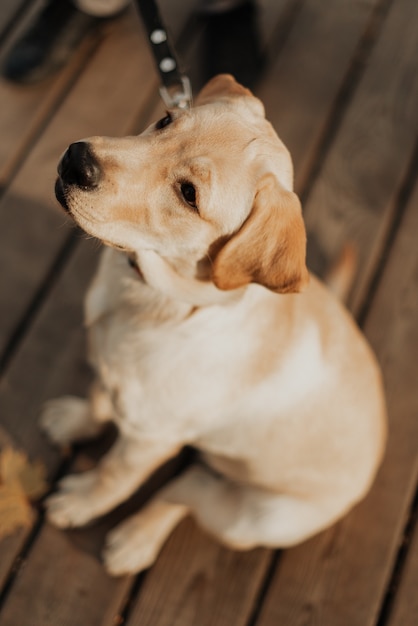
{"points": [[16, 469], [15, 510], [11, 464], [32, 478]]}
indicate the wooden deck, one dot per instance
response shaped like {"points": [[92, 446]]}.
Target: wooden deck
{"points": [[341, 87]]}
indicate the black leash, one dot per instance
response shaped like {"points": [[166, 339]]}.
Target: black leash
{"points": [[175, 87]]}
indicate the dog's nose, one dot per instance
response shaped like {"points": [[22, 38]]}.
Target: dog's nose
{"points": [[79, 166]]}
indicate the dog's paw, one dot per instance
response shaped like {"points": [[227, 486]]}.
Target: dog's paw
{"points": [[135, 544], [66, 420], [130, 548], [72, 504]]}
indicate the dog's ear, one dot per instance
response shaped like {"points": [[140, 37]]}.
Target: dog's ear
{"points": [[270, 247], [220, 86], [225, 87]]}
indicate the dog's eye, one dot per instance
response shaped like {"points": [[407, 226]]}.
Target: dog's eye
{"points": [[164, 121], [189, 194]]}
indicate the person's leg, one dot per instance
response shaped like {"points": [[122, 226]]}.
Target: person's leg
{"points": [[231, 42], [52, 36]]}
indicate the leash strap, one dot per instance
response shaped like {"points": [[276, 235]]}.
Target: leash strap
{"points": [[175, 87]]}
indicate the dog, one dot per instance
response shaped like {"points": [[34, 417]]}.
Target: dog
{"points": [[206, 329]]}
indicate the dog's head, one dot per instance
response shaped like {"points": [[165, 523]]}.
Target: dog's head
{"points": [[214, 182]]}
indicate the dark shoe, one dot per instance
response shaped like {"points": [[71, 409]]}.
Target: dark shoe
{"points": [[232, 45], [48, 42]]}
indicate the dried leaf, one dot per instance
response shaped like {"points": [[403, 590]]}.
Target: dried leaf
{"points": [[20, 481], [33, 480], [11, 464], [15, 510], [15, 468]]}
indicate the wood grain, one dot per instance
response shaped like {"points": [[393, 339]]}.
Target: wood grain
{"points": [[50, 360], [354, 198], [61, 585], [405, 609], [9, 8], [48, 364], [94, 106], [26, 109], [197, 581], [302, 85]]}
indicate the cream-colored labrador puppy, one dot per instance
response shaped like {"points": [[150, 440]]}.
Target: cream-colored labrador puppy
{"points": [[198, 336]]}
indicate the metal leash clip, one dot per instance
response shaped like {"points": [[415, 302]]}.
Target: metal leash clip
{"points": [[177, 96], [175, 89]]}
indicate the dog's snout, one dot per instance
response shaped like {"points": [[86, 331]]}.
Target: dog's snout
{"points": [[79, 166]]}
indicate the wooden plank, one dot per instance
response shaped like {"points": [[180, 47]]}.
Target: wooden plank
{"points": [[8, 10], [26, 109], [271, 16], [300, 89], [201, 583], [38, 373], [32, 203], [96, 105], [339, 578], [405, 609], [355, 194], [11, 546], [50, 360], [59, 581]]}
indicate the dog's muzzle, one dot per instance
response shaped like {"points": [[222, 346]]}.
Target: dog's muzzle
{"points": [[77, 168]]}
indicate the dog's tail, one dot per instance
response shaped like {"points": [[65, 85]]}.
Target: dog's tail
{"points": [[340, 276]]}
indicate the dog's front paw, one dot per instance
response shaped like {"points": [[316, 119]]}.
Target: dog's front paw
{"points": [[65, 419], [72, 504], [135, 544], [130, 548]]}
